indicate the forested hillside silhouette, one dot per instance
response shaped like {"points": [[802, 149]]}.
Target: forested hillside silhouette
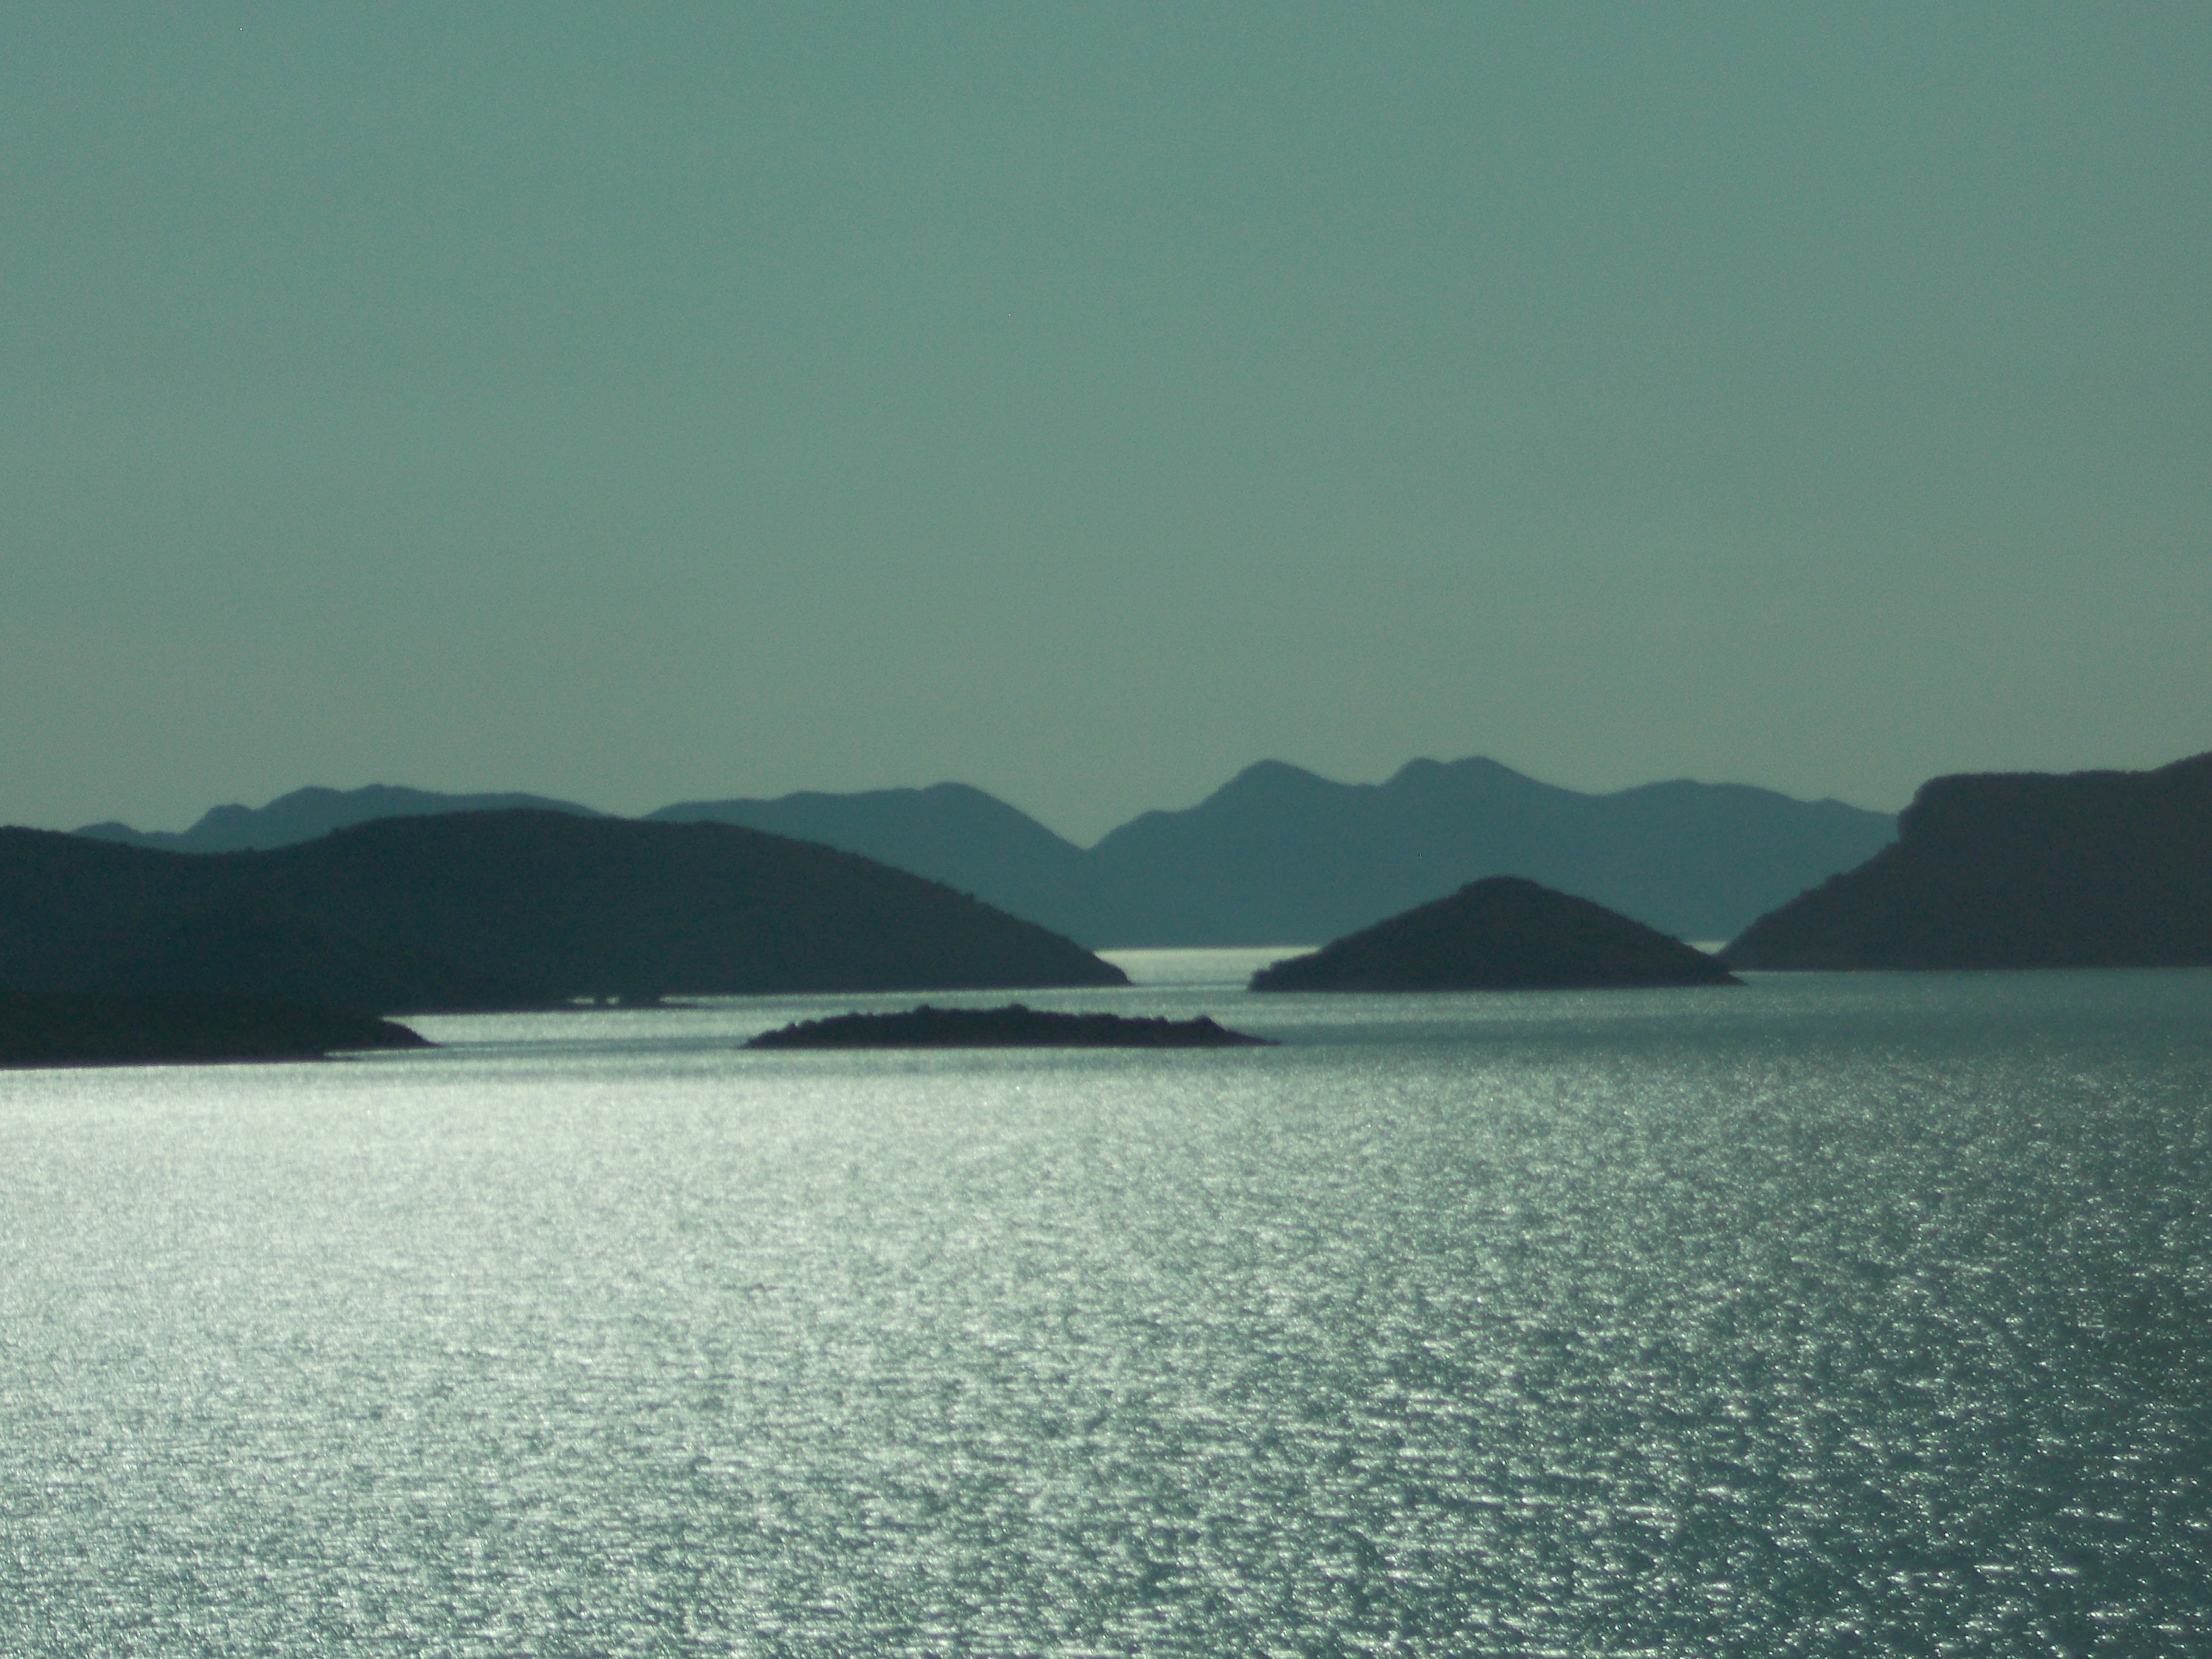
{"points": [[506, 910]]}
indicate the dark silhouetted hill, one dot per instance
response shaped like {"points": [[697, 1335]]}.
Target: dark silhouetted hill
{"points": [[948, 832], [1501, 933], [2018, 870], [1281, 854], [503, 910], [58, 1029], [1010, 1027], [305, 814]]}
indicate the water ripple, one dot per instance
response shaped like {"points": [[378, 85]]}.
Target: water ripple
{"points": [[1853, 1326]]}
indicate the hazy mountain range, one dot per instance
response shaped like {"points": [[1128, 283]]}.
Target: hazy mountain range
{"points": [[305, 814], [1277, 855]]}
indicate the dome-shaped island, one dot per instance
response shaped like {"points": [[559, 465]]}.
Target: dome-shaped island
{"points": [[1502, 934]]}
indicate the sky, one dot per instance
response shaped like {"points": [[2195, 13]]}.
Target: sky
{"points": [[672, 402]]}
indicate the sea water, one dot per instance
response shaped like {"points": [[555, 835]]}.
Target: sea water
{"points": [[1833, 1315]]}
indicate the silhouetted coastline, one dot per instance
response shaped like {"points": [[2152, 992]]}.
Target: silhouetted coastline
{"points": [[60, 1029]]}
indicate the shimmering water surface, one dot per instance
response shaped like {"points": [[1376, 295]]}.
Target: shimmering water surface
{"points": [[1835, 1315]]}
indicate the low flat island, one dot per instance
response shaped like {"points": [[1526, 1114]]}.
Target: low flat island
{"points": [[1010, 1027], [180, 1027]]}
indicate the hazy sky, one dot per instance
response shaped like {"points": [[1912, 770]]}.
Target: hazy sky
{"points": [[653, 402]]}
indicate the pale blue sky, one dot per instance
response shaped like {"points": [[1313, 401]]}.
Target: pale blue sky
{"points": [[637, 403]]}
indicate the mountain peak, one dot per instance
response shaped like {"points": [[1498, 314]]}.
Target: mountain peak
{"points": [[1477, 769], [1269, 775]]}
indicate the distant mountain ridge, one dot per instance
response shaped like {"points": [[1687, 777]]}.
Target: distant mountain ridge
{"points": [[2018, 870], [305, 814], [950, 832], [1277, 855], [1281, 856]]}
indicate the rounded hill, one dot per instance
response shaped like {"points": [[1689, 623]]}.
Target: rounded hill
{"points": [[1502, 934]]}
